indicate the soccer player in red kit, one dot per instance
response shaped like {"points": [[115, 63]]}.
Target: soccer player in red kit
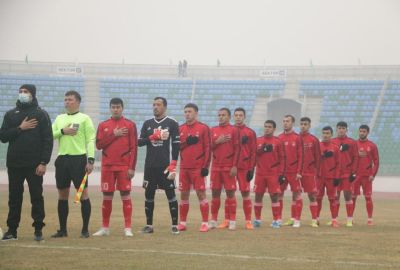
{"points": [[117, 138], [225, 153], [368, 166], [311, 163], [195, 153], [293, 169], [329, 173], [269, 173], [349, 164], [247, 161]]}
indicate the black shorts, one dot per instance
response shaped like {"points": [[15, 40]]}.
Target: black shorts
{"points": [[155, 178], [70, 168]]}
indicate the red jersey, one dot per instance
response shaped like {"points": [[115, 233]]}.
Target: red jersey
{"points": [[368, 158], [195, 155], [293, 152], [348, 155], [330, 160], [312, 155], [119, 153], [270, 163], [225, 155], [248, 145]]}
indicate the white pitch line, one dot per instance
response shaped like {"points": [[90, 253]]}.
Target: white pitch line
{"points": [[201, 254]]}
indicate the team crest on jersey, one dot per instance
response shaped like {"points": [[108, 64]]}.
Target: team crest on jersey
{"points": [[293, 144], [106, 129]]}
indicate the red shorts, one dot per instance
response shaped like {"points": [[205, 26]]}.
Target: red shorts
{"points": [[309, 184], [222, 178], [115, 180], [364, 183], [326, 183], [191, 177], [244, 186], [291, 180], [262, 183], [345, 185]]}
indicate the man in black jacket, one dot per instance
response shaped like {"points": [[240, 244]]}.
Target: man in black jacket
{"points": [[27, 129]]}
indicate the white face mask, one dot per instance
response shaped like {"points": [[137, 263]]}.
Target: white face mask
{"points": [[24, 98]]}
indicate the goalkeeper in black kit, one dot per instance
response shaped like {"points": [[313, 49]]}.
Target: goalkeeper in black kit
{"points": [[160, 134]]}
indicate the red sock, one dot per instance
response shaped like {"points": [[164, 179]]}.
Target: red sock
{"points": [[370, 206], [299, 208], [349, 208], [127, 210], [247, 205], [227, 208], [337, 207], [319, 202], [204, 209], [183, 210], [232, 208], [257, 210], [215, 204], [275, 210], [314, 210], [332, 206], [106, 210], [281, 206], [354, 202], [293, 209]]}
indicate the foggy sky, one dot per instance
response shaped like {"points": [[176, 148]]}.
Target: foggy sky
{"points": [[252, 32]]}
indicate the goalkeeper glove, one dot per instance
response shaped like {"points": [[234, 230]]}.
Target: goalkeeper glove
{"points": [[171, 170], [156, 136]]}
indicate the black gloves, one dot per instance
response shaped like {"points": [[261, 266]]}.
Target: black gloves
{"points": [[204, 172], [267, 148], [192, 140], [245, 139], [336, 182], [344, 147], [328, 154], [352, 177], [250, 175], [281, 179]]}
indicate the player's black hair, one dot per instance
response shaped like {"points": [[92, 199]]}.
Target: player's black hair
{"points": [[341, 124], [328, 128], [305, 119], [164, 100], [240, 109], [366, 127], [225, 109], [272, 122], [291, 117], [193, 106], [116, 101], [75, 94]]}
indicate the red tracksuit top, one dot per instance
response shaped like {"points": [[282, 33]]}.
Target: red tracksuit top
{"points": [[270, 163], [293, 152], [225, 155], [119, 153], [195, 156], [348, 158], [330, 166], [247, 156], [368, 158], [312, 156]]}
